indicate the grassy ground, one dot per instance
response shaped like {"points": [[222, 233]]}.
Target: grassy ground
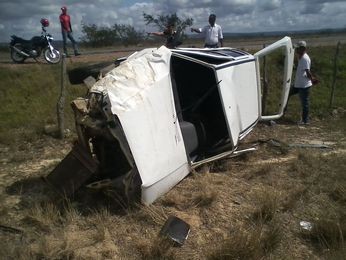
{"points": [[30, 92], [249, 207], [245, 208]]}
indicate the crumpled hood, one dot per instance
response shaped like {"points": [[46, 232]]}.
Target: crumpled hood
{"points": [[128, 83]]}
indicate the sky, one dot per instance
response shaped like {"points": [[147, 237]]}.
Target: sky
{"points": [[22, 17]]}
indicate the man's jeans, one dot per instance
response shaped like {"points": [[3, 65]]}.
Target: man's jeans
{"points": [[304, 100], [211, 45], [69, 35]]}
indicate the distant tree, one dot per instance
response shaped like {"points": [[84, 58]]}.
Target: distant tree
{"points": [[128, 35], [96, 36], [161, 21]]}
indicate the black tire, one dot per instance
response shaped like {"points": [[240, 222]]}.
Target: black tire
{"points": [[53, 57], [77, 75], [15, 56]]}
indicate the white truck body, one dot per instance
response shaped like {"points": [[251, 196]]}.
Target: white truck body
{"points": [[171, 110]]}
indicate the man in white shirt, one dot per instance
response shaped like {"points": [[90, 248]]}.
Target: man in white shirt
{"points": [[303, 80], [212, 33]]}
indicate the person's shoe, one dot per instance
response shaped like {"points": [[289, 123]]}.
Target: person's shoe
{"points": [[77, 54], [302, 123]]}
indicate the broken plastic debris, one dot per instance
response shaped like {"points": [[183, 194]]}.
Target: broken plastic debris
{"points": [[320, 146], [272, 123], [305, 225], [176, 229]]}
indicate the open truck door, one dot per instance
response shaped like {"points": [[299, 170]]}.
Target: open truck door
{"points": [[239, 84], [288, 51], [238, 91]]}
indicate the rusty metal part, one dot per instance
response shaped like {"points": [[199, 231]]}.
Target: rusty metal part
{"points": [[73, 171]]}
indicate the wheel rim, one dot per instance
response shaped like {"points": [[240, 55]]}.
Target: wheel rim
{"points": [[16, 57], [52, 57]]}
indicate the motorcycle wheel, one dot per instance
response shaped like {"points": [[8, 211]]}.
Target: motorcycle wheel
{"points": [[15, 56], [52, 57]]}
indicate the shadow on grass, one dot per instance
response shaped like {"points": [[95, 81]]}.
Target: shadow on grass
{"points": [[31, 191], [286, 121], [31, 185], [35, 190]]}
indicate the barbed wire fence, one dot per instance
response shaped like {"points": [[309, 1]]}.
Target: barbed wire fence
{"points": [[67, 91], [335, 69]]}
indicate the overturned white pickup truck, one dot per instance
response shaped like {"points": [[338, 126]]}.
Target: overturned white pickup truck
{"points": [[160, 113]]}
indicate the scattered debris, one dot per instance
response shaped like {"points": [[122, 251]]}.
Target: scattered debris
{"points": [[272, 123], [305, 225], [89, 81], [319, 146], [277, 143], [53, 130], [175, 229]]}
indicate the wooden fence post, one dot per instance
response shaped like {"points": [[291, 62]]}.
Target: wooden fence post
{"points": [[265, 84], [334, 75], [61, 100]]}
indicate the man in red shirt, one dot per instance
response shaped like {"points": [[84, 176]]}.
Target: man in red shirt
{"points": [[66, 31]]}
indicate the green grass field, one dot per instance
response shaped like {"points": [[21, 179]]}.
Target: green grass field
{"points": [[29, 92], [29, 95]]}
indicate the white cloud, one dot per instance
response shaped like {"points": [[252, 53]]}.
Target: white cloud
{"points": [[22, 17], [268, 5]]}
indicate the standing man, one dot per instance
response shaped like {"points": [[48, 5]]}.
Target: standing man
{"points": [[66, 31], [212, 33], [303, 80]]}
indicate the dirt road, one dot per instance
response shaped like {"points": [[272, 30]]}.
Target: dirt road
{"points": [[110, 54]]}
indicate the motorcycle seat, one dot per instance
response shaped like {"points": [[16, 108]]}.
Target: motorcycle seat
{"points": [[19, 39]]}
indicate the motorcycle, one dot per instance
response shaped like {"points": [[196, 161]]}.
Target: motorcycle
{"points": [[22, 49]]}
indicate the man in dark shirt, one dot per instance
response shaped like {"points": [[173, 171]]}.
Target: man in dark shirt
{"points": [[66, 31], [169, 33]]}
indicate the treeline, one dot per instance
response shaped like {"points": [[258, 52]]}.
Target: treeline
{"points": [[101, 36]]}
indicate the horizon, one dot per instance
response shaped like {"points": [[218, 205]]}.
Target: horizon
{"points": [[251, 16], [273, 33]]}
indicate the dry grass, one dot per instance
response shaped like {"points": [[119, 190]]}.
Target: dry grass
{"points": [[202, 195], [260, 235], [100, 222], [328, 233], [324, 201], [204, 198], [159, 248], [338, 193], [266, 204], [205, 194], [54, 248], [253, 242], [261, 172], [295, 195], [271, 199], [15, 250]]}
